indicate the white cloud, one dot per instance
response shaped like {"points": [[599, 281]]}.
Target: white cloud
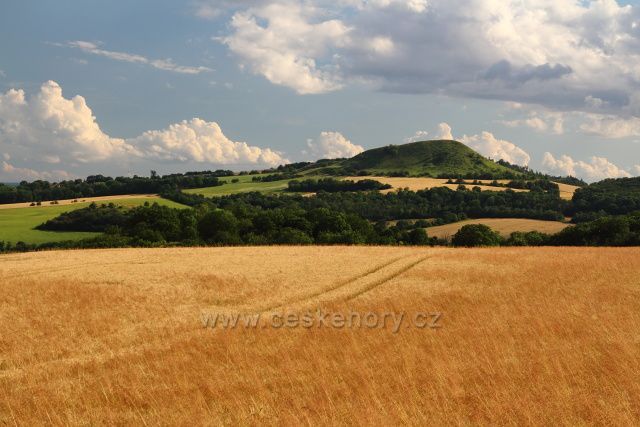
{"points": [[161, 64], [540, 121], [564, 55], [12, 173], [444, 131], [489, 146], [203, 142], [50, 125], [289, 50], [332, 145], [596, 169], [421, 135], [610, 126], [533, 122], [636, 170], [50, 129]]}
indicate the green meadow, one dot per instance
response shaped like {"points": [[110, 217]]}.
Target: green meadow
{"points": [[18, 225], [244, 185]]}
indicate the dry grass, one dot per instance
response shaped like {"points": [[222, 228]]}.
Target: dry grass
{"points": [[529, 336], [415, 184], [566, 191], [504, 226]]}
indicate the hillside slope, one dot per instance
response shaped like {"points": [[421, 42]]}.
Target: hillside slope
{"points": [[440, 158], [426, 157]]}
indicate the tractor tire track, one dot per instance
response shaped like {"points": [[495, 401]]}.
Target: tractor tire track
{"points": [[343, 291], [272, 306]]}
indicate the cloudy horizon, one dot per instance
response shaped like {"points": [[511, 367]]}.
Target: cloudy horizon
{"points": [[202, 84]]}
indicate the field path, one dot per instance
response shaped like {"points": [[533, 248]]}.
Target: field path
{"points": [[342, 291]]}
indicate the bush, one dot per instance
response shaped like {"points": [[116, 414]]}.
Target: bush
{"points": [[532, 238], [418, 237], [473, 235]]}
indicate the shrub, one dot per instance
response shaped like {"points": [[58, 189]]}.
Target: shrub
{"points": [[473, 235]]}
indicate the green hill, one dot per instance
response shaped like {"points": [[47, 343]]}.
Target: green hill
{"points": [[443, 158]]}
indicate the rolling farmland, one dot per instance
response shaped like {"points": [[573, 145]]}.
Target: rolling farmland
{"points": [[526, 336]]}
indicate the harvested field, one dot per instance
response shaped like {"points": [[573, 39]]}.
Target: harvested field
{"points": [[415, 184], [534, 336], [101, 199], [567, 191], [504, 226]]}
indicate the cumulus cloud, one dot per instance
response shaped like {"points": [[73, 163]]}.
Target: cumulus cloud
{"points": [[490, 146], [332, 145], [540, 121], [289, 50], [562, 54], [421, 135], [203, 142], [12, 173], [596, 169], [444, 131], [52, 126], [49, 129], [610, 126], [161, 64]]}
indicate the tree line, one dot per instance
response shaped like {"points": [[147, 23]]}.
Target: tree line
{"points": [[331, 185], [99, 185]]}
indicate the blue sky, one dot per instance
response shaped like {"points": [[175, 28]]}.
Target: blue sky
{"points": [[549, 84]]}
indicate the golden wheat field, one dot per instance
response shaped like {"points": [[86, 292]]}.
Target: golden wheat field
{"points": [[415, 184], [504, 226], [524, 336]]}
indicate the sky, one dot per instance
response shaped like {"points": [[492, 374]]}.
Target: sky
{"points": [[120, 88]]}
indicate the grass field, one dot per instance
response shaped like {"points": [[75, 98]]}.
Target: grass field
{"points": [[527, 336], [504, 226], [245, 185], [17, 224]]}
